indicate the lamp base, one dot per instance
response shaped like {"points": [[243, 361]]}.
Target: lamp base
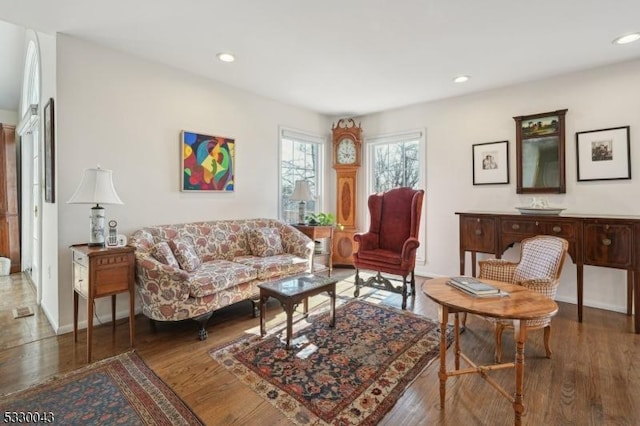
{"points": [[301, 209], [96, 226]]}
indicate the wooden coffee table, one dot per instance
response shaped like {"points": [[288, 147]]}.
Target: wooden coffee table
{"points": [[293, 290], [521, 305]]}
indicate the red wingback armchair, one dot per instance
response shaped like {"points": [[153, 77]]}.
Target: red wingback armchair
{"points": [[391, 243]]}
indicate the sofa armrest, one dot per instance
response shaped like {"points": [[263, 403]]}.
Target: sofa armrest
{"points": [[162, 283], [295, 242]]}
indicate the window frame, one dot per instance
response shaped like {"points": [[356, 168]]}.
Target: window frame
{"points": [[286, 133]]}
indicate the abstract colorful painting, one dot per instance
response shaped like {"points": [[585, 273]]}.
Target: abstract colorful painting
{"points": [[208, 163]]}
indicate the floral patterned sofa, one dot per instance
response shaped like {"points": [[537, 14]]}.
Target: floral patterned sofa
{"points": [[190, 270]]}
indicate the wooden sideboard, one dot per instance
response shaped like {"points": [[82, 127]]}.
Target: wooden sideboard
{"points": [[608, 241]]}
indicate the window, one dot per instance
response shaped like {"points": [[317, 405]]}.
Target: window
{"points": [[395, 161], [301, 158]]}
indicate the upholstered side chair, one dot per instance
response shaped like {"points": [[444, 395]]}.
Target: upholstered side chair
{"points": [[541, 260], [392, 240]]}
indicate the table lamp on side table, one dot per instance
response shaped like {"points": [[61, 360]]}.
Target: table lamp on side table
{"points": [[302, 193], [96, 188]]}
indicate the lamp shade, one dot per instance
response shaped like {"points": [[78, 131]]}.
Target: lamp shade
{"points": [[96, 187], [302, 191]]}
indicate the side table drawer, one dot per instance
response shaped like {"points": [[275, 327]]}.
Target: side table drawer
{"points": [[80, 258], [81, 279]]}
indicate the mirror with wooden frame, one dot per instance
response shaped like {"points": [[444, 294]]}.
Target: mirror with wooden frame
{"points": [[540, 153]]}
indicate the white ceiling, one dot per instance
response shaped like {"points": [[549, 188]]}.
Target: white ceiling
{"points": [[350, 57]]}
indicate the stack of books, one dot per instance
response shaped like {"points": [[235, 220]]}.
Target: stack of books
{"points": [[474, 287]]}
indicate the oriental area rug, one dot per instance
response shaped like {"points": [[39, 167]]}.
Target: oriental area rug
{"points": [[119, 390], [350, 374]]}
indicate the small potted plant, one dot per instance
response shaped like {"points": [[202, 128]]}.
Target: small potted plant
{"points": [[322, 219]]}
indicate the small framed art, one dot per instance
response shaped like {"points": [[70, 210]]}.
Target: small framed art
{"points": [[207, 163], [49, 153], [604, 154], [491, 163]]}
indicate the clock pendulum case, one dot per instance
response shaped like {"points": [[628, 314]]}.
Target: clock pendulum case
{"points": [[347, 146]]}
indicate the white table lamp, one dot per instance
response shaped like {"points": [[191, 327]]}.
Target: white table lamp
{"points": [[96, 188], [302, 193]]}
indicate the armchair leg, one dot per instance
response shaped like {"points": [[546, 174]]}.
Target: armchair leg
{"points": [[499, 328], [413, 283], [547, 347], [404, 292], [356, 293]]}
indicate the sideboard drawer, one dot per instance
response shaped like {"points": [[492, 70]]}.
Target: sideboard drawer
{"points": [[478, 233], [521, 226], [566, 230], [607, 244]]}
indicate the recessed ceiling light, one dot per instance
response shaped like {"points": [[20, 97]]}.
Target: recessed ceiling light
{"points": [[226, 57], [461, 79], [627, 38]]}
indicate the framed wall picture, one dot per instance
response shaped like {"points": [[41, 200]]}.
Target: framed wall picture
{"points": [[491, 163], [49, 153], [604, 154], [207, 162]]}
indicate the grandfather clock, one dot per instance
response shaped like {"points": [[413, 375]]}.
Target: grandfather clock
{"points": [[347, 146]]}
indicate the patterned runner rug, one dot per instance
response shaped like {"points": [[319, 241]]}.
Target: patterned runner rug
{"points": [[351, 374], [119, 390]]}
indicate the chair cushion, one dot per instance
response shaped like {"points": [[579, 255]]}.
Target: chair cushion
{"points": [[380, 255], [186, 254], [163, 254], [265, 242]]}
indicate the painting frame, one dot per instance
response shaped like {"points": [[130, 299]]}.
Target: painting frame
{"points": [[603, 154], [490, 163], [207, 163], [49, 152]]}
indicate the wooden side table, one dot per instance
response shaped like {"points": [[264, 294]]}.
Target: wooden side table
{"points": [[99, 272], [519, 306], [316, 233]]}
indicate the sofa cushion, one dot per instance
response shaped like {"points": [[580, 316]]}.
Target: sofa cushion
{"points": [[218, 275], [265, 242], [186, 254], [163, 254], [275, 266]]}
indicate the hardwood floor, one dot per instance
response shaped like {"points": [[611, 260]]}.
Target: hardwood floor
{"points": [[593, 377]]}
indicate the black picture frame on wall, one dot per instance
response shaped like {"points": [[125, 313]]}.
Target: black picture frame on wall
{"points": [[49, 153], [491, 163], [603, 154]]}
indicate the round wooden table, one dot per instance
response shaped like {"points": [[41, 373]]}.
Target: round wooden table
{"points": [[520, 305]]}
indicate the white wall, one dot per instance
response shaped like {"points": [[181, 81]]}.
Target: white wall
{"points": [[49, 211], [9, 117], [126, 114], [599, 98]]}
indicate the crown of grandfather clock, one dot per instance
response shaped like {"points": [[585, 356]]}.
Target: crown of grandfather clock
{"points": [[347, 149]]}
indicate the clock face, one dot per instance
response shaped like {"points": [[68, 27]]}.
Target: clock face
{"points": [[346, 152]]}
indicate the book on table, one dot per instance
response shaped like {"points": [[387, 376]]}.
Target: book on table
{"points": [[474, 286]]}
